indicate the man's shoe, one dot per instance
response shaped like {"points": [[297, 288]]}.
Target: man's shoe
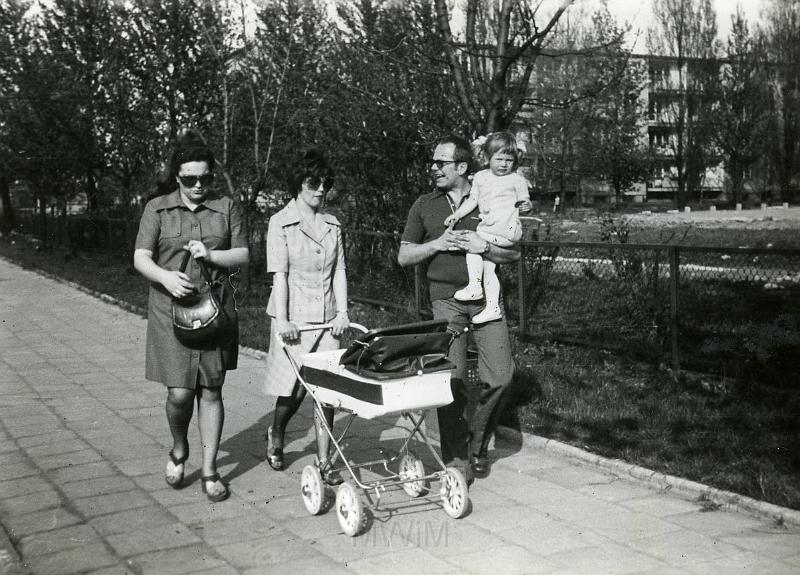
{"points": [[480, 464]]}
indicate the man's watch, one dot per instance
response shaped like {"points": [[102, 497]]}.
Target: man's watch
{"points": [[486, 248]]}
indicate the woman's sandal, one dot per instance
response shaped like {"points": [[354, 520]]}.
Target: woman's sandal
{"points": [[329, 475], [274, 454], [175, 480], [214, 498]]}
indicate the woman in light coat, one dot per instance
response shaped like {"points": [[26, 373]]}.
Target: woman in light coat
{"points": [[305, 254]]}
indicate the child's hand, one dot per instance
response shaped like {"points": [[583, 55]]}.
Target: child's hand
{"points": [[525, 205], [450, 221]]}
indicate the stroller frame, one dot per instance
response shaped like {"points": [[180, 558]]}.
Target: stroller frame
{"points": [[411, 476]]}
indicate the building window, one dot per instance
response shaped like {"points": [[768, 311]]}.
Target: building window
{"points": [[747, 172], [660, 140]]}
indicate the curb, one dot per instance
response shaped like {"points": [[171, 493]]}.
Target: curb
{"points": [[692, 489], [10, 563]]}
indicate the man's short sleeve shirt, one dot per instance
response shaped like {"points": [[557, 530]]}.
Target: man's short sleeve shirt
{"points": [[447, 271]]}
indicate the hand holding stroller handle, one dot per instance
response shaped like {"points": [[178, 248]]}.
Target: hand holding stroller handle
{"points": [[321, 326], [314, 327]]}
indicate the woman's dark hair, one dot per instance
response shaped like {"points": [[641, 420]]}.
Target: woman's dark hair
{"points": [[189, 148], [313, 166]]}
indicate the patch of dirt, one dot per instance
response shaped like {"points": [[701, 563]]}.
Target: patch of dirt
{"points": [[769, 218]]}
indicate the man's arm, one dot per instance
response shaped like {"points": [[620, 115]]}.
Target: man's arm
{"points": [[472, 243], [411, 254]]}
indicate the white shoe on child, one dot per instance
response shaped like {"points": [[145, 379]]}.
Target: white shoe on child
{"points": [[487, 314], [469, 293]]}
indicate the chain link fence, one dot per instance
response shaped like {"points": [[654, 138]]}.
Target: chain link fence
{"points": [[734, 312]]}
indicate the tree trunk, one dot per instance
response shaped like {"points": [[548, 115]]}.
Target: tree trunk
{"points": [[42, 220], [8, 221]]}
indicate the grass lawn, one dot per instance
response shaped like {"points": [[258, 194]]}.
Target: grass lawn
{"points": [[733, 435]]}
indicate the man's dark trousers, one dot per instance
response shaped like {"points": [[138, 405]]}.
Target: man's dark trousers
{"points": [[459, 438]]}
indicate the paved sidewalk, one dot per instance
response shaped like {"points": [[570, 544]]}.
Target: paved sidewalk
{"points": [[84, 440]]}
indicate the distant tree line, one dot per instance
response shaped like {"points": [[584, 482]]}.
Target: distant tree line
{"points": [[93, 93]]}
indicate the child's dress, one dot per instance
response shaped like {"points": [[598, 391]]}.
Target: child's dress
{"points": [[497, 198]]}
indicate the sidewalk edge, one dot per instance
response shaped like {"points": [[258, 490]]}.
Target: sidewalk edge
{"points": [[10, 563], [727, 499]]}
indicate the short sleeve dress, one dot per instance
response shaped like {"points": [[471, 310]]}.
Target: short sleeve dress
{"points": [[497, 197], [310, 262], [166, 226]]}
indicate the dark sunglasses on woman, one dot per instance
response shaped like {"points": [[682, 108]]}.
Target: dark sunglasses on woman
{"points": [[191, 181], [315, 181]]}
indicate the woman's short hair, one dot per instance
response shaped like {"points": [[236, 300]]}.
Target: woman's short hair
{"points": [[190, 147], [500, 142], [313, 165]]}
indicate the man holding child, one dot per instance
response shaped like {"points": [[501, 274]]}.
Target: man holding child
{"points": [[425, 238]]}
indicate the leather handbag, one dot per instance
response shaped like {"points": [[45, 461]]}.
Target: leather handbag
{"points": [[199, 317], [400, 351]]}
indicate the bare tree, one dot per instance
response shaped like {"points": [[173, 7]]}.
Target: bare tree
{"points": [[781, 32], [741, 107], [685, 32], [492, 69]]}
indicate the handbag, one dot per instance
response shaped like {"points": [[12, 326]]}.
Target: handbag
{"points": [[199, 317], [400, 351]]}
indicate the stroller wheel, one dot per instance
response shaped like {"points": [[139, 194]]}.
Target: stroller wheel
{"points": [[349, 509], [454, 493], [410, 468], [312, 490]]}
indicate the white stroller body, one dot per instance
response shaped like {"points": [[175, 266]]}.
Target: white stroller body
{"points": [[332, 384]]}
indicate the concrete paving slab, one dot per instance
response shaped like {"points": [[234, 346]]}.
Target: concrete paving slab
{"points": [[75, 560], [112, 502], [190, 559], [18, 526], [152, 539], [57, 540], [31, 502], [136, 519]]}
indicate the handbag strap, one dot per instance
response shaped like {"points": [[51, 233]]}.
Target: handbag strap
{"points": [[200, 262]]}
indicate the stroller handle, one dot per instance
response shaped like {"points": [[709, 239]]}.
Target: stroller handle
{"points": [[322, 326], [315, 327]]}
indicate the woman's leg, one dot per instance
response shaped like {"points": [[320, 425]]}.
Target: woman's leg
{"points": [[285, 407], [179, 407], [210, 418], [323, 439]]}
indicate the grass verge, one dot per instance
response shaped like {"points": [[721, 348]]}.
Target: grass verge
{"points": [[736, 437]]}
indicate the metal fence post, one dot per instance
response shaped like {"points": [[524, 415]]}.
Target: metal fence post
{"points": [[523, 316], [673, 305], [418, 283]]}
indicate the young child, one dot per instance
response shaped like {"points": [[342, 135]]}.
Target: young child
{"points": [[499, 192]]}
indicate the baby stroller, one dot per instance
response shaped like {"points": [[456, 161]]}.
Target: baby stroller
{"points": [[396, 370]]}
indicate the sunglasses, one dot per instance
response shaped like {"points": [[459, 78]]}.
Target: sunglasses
{"points": [[314, 182], [441, 163], [191, 181]]}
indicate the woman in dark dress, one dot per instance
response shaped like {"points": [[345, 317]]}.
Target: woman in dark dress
{"points": [[190, 217]]}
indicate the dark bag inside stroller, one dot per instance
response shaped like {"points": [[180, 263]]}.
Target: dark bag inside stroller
{"points": [[400, 351]]}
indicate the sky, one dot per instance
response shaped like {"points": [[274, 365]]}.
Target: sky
{"points": [[638, 13]]}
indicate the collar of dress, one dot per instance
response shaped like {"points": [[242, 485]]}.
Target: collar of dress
{"points": [[212, 202], [291, 216]]}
